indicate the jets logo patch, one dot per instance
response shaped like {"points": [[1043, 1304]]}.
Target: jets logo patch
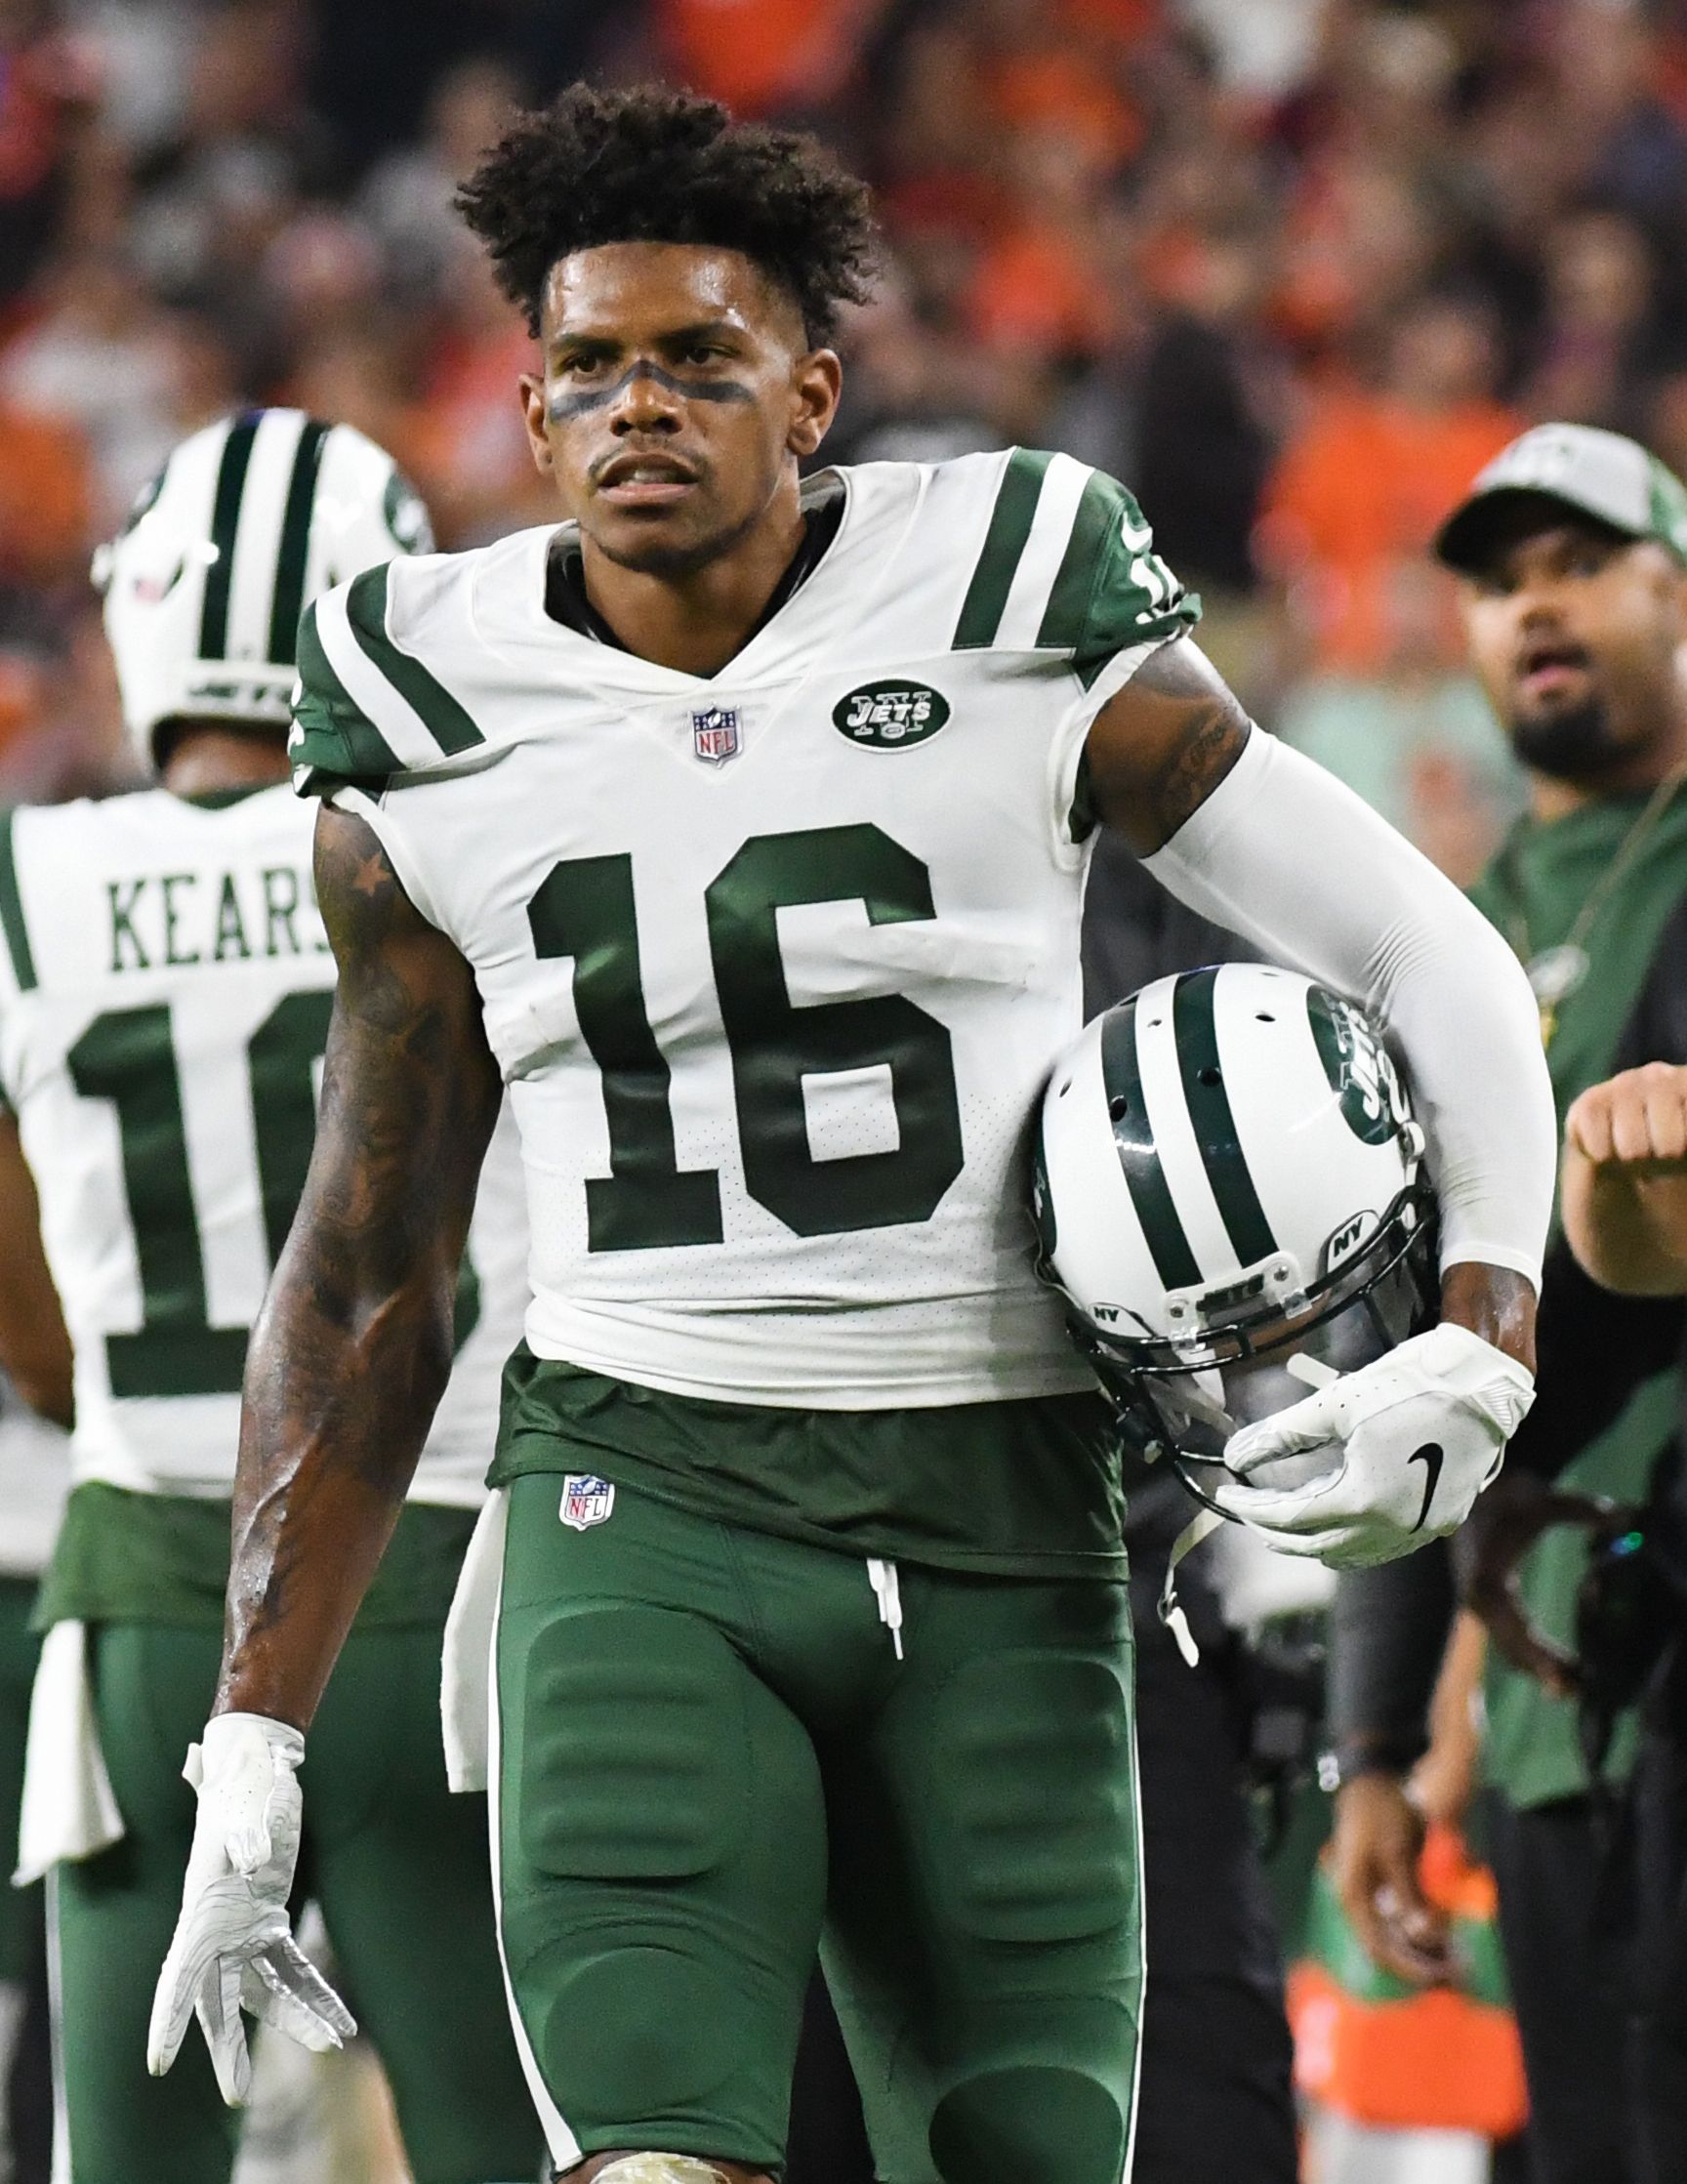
{"points": [[586, 1499], [890, 716]]}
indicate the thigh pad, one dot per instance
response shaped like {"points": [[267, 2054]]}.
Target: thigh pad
{"points": [[633, 1748], [1032, 1798]]}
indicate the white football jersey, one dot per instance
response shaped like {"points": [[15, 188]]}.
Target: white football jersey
{"points": [[165, 987], [774, 962]]}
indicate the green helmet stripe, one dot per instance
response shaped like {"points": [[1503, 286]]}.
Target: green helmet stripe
{"points": [[1196, 1029], [1003, 548], [12, 920], [1138, 1155], [292, 554], [225, 525], [427, 696]]}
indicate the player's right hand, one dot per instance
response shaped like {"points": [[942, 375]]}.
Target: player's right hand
{"points": [[234, 1948]]}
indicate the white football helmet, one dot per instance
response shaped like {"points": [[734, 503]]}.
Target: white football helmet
{"points": [[246, 523], [1229, 1191]]}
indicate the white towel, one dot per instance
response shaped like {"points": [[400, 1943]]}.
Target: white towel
{"points": [[471, 1634], [69, 1808]]}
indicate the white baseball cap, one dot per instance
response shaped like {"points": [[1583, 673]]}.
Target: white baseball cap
{"points": [[1593, 471]]}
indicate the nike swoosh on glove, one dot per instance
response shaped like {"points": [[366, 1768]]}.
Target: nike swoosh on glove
{"points": [[1409, 1441], [232, 1947]]}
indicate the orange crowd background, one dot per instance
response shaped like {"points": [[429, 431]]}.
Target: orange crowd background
{"points": [[1292, 269]]}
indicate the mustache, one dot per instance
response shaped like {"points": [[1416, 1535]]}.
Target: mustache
{"points": [[563, 405]]}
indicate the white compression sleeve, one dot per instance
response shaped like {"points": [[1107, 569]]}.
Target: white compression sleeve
{"points": [[1284, 854]]}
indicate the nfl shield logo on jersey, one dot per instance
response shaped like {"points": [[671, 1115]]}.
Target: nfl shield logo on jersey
{"points": [[715, 733], [586, 1499]]}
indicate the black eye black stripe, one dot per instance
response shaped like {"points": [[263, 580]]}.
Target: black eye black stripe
{"points": [[563, 405]]}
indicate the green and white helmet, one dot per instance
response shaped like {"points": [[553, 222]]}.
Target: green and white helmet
{"points": [[1229, 1191], [246, 523]]}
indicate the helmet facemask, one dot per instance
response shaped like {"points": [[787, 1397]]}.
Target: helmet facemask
{"points": [[1251, 1354], [1230, 1197]]}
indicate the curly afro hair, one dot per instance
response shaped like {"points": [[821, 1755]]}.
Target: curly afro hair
{"points": [[662, 166]]}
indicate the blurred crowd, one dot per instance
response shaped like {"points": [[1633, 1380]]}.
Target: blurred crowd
{"points": [[1292, 269]]}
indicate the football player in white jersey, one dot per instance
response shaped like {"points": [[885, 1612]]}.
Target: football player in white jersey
{"points": [[165, 988], [740, 826]]}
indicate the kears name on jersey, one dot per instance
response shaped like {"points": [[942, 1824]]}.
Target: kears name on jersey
{"points": [[169, 919]]}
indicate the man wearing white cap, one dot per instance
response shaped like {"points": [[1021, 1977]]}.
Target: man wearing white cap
{"points": [[1570, 550]]}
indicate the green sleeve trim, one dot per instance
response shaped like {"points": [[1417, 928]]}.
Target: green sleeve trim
{"points": [[12, 920], [333, 741], [1003, 548], [1112, 591], [427, 696]]}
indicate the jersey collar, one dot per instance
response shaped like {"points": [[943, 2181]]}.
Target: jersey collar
{"points": [[824, 596]]}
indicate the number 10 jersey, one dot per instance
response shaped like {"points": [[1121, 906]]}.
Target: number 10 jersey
{"points": [[773, 963]]}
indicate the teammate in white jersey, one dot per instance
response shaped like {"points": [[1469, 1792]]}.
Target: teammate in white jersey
{"points": [[165, 990], [740, 826]]}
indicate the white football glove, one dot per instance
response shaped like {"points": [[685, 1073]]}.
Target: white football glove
{"points": [[1408, 1442], [232, 1946]]}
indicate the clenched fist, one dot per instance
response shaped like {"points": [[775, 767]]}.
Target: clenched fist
{"points": [[1637, 1120], [1624, 1196]]}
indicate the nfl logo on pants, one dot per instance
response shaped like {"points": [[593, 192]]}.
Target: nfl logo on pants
{"points": [[586, 1499], [715, 733]]}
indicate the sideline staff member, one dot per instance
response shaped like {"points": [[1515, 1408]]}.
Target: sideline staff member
{"points": [[1573, 551], [1625, 1212]]}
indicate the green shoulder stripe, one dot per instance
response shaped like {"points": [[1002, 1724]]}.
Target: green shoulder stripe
{"points": [[1100, 507], [332, 739], [1004, 548], [427, 698], [12, 922], [1111, 590]]}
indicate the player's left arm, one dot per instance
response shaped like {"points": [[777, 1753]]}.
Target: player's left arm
{"points": [[34, 1346], [1257, 837]]}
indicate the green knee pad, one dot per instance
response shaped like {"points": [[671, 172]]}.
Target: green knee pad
{"points": [[663, 1869], [1035, 2123]]}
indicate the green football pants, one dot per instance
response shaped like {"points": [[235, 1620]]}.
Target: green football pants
{"points": [[19, 1907], [709, 1750], [398, 1864]]}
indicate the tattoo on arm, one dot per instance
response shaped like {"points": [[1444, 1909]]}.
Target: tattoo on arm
{"points": [[353, 1347], [1161, 747]]}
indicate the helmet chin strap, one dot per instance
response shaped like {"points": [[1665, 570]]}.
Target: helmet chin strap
{"points": [[1315, 1373]]}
